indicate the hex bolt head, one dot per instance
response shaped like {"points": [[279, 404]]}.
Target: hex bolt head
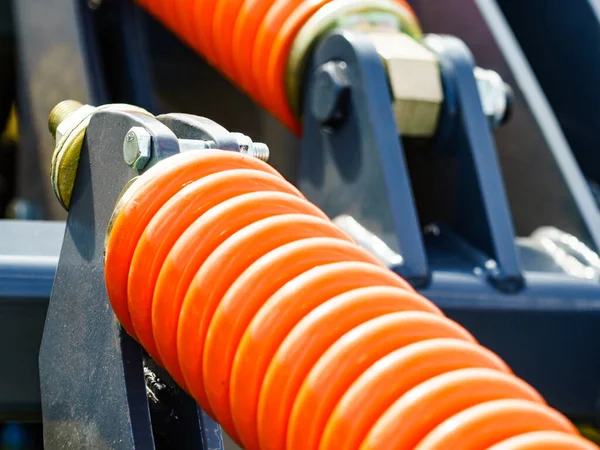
{"points": [[137, 147], [330, 93], [497, 98]]}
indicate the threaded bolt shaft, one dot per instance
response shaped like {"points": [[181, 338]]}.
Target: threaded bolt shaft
{"points": [[259, 151], [60, 112]]}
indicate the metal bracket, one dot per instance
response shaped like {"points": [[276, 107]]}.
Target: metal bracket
{"points": [[358, 168], [92, 381], [188, 126], [482, 214]]}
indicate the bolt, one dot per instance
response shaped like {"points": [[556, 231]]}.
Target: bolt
{"points": [[496, 96], [187, 145], [137, 147], [330, 93], [60, 112], [257, 150]]}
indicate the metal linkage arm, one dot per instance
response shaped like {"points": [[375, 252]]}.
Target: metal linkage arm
{"points": [[94, 377]]}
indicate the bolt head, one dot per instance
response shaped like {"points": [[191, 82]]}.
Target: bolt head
{"points": [[494, 95], [329, 93], [415, 82], [137, 147]]}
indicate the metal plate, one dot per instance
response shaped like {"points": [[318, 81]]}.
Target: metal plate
{"points": [[93, 391]]}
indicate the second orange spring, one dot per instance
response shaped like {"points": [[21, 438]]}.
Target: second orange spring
{"points": [[292, 336], [248, 41]]}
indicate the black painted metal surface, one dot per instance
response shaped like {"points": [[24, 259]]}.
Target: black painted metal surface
{"points": [[69, 49], [92, 381], [481, 214], [91, 374], [358, 168], [93, 391], [118, 32]]}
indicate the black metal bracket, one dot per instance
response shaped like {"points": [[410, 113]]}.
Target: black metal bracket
{"points": [[358, 166], [91, 372], [482, 214]]}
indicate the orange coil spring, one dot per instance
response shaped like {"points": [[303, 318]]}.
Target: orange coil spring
{"points": [[249, 41], [292, 336]]}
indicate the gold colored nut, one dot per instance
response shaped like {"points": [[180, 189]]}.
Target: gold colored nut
{"points": [[357, 15], [70, 133], [415, 82]]}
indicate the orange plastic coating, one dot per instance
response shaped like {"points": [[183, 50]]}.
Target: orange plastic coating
{"points": [[544, 440], [487, 424], [279, 315], [203, 13], [219, 272], [172, 219], [183, 261], [226, 14], [267, 35], [393, 376], [427, 405], [248, 41], [144, 199], [291, 335]]}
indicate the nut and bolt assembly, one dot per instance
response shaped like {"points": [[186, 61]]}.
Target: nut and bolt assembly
{"points": [[496, 96], [137, 148], [330, 94], [256, 149]]}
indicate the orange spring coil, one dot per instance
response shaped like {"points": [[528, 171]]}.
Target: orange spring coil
{"points": [[248, 41], [292, 336]]}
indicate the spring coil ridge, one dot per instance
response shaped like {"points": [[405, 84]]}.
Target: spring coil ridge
{"points": [[248, 41], [292, 336]]}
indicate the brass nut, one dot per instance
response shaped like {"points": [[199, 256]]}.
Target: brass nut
{"points": [[415, 81], [357, 15]]}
